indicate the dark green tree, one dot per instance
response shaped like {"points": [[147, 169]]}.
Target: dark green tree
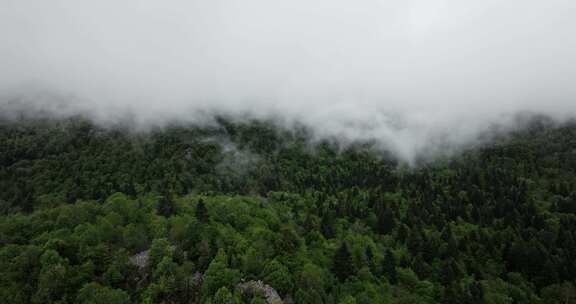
{"points": [[201, 212], [342, 265], [219, 275], [166, 206], [386, 221], [390, 267], [93, 293], [278, 276]]}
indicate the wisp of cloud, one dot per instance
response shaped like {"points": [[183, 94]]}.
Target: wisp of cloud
{"points": [[413, 76]]}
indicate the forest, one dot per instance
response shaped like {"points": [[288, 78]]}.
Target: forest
{"points": [[252, 212]]}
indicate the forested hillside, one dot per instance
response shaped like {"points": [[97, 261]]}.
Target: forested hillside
{"points": [[200, 214]]}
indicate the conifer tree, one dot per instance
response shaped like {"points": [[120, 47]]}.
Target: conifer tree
{"points": [[343, 267], [386, 222], [390, 267], [201, 212], [166, 206]]}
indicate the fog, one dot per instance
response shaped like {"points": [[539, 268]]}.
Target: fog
{"points": [[416, 76]]}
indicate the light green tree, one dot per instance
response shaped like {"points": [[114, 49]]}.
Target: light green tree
{"points": [[93, 293]]}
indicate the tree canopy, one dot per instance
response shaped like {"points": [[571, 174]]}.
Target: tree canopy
{"points": [[188, 214]]}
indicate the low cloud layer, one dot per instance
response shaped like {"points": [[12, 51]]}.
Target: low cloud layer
{"points": [[412, 75]]}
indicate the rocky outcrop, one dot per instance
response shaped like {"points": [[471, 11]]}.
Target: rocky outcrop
{"points": [[141, 259], [259, 288], [271, 296]]}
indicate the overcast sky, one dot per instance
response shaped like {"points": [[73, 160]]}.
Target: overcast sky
{"points": [[399, 71]]}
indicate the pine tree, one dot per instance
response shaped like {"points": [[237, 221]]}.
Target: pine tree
{"points": [[279, 276], [386, 222], [219, 275], [223, 296], [343, 267], [370, 259], [477, 292], [326, 227], [166, 206], [390, 267], [201, 212]]}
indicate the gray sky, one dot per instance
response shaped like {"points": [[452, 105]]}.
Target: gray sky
{"points": [[402, 72]]}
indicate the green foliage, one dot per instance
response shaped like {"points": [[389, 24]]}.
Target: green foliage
{"points": [[560, 293], [93, 293], [390, 267], [312, 277], [52, 279], [348, 300], [343, 266], [219, 275], [93, 215], [159, 250], [278, 275], [223, 296], [201, 212], [166, 206]]}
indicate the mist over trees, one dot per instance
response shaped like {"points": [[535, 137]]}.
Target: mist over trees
{"points": [[326, 151], [417, 77]]}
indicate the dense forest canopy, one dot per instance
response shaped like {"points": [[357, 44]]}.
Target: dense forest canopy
{"points": [[249, 212]]}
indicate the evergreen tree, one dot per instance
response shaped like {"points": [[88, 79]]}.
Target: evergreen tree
{"points": [[477, 292], [277, 275], [386, 221], [166, 206], [370, 259], [219, 275], [53, 278], [201, 212], [223, 296], [348, 300], [390, 267], [342, 266], [93, 293]]}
